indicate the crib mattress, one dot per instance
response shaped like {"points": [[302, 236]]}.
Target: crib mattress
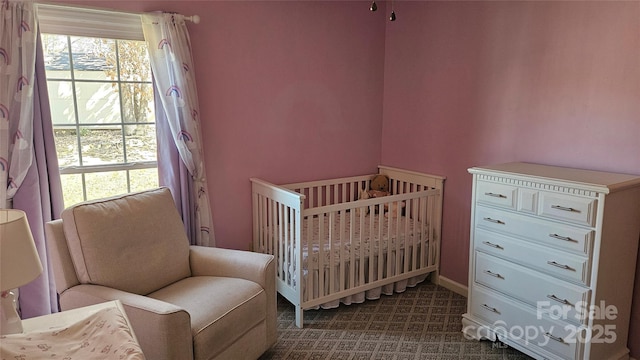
{"points": [[372, 234]]}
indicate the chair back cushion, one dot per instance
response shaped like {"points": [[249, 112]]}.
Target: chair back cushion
{"points": [[134, 242]]}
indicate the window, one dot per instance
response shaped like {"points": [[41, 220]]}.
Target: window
{"points": [[102, 110]]}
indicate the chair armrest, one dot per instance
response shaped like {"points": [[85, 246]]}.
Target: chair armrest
{"points": [[163, 330], [63, 270], [256, 267]]}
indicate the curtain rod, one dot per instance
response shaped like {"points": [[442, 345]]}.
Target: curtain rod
{"points": [[193, 18]]}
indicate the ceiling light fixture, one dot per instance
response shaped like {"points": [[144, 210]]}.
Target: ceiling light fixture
{"points": [[392, 17]]}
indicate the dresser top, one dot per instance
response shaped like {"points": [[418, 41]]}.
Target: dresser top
{"points": [[590, 178]]}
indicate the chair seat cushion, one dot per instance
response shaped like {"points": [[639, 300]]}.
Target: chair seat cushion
{"points": [[222, 309]]}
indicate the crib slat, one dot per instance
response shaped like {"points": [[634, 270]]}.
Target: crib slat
{"points": [[285, 232], [265, 225], [417, 240], [372, 252], [287, 247], [411, 243], [424, 237], [255, 228], [392, 249], [361, 265], [343, 255], [282, 229], [352, 250], [321, 255], [424, 226], [257, 222], [432, 249], [309, 260], [401, 241], [380, 253], [312, 198], [416, 229], [274, 227], [268, 224], [333, 237]]}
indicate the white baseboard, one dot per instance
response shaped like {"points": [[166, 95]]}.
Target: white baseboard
{"points": [[454, 286]]}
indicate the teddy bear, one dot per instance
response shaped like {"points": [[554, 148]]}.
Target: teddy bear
{"points": [[379, 186]]}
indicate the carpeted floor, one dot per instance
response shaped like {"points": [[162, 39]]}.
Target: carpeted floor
{"points": [[424, 322]]}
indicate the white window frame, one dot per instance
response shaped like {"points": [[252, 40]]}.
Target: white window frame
{"points": [[98, 23]]}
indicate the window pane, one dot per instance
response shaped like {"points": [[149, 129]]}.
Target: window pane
{"points": [[102, 104], [72, 189], [103, 184], [61, 102], [141, 143], [66, 146], [143, 179], [98, 103], [134, 61], [56, 56], [94, 58], [137, 102], [101, 145]]}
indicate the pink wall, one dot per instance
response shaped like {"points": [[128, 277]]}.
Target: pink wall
{"points": [[473, 83], [288, 91], [294, 92]]}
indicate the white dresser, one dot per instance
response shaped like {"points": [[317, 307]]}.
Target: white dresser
{"points": [[552, 260]]}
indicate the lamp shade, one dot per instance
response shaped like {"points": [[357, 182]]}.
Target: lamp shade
{"points": [[19, 261]]}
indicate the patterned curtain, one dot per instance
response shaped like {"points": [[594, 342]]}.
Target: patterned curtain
{"points": [[18, 29], [40, 196], [172, 67], [29, 177]]}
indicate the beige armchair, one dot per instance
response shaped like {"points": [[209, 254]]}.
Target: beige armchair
{"points": [[184, 302]]}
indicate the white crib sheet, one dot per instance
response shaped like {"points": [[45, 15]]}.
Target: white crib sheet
{"points": [[402, 229]]}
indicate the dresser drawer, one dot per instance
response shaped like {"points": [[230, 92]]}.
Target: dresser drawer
{"points": [[542, 292], [569, 208], [566, 266], [566, 237], [521, 324], [496, 194]]}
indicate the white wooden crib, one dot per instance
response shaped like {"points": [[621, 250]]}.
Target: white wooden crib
{"points": [[331, 247]]}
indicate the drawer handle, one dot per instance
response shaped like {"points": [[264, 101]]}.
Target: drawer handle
{"points": [[492, 309], [560, 237], [561, 266], [494, 221], [495, 195], [555, 298], [495, 275], [493, 245], [556, 338], [564, 208]]}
